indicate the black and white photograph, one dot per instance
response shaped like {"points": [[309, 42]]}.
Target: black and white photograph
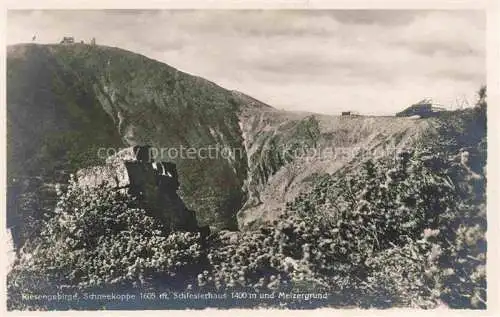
{"points": [[292, 159]]}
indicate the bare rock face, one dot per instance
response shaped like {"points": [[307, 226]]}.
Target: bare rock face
{"points": [[154, 184], [113, 175]]}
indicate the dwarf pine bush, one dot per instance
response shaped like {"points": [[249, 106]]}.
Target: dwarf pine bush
{"points": [[100, 238], [407, 231]]}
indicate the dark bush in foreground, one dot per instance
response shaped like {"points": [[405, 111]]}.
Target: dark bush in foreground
{"points": [[409, 232], [100, 238], [402, 231]]}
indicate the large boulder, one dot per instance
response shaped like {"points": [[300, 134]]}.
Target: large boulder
{"points": [[153, 184]]}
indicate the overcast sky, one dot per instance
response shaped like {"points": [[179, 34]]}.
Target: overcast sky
{"points": [[371, 61]]}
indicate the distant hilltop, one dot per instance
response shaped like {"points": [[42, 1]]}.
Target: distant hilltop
{"points": [[425, 108], [68, 103]]}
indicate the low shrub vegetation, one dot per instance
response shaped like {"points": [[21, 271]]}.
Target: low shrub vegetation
{"points": [[405, 231]]}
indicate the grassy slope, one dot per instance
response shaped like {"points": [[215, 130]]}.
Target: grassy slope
{"points": [[50, 114], [65, 102]]}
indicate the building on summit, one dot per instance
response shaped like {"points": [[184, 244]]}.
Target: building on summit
{"points": [[68, 40]]}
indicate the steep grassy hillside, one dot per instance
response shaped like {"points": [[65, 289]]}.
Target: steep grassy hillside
{"points": [[54, 119], [65, 102]]}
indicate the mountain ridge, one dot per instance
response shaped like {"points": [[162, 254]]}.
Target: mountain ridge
{"points": [[67, 101]]}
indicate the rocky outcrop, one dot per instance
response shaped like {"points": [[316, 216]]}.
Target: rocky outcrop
{"points": [[153, 184]]}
